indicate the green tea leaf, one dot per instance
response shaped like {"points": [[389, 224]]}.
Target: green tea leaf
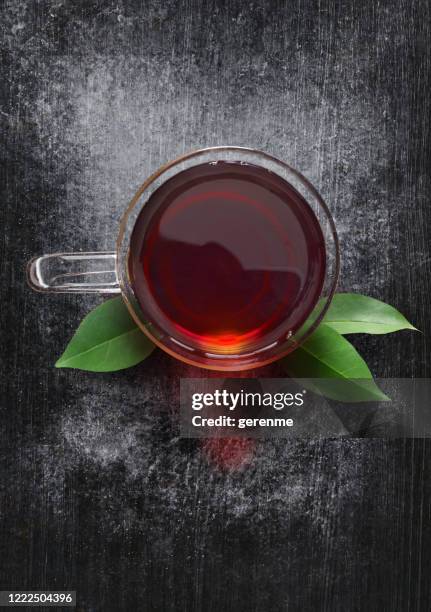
{"points": [[328, 355], [107, 340], [351, 313]]}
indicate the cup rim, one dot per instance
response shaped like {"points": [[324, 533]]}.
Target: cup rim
{"points": [[122, 231]]}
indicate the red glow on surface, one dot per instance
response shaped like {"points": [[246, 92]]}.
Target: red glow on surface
{"points": [[229, 453]]}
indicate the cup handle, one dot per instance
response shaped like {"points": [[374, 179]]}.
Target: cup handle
{"points": [[74, 273]]}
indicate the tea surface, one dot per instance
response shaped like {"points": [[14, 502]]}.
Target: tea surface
{"points": [[226, 257]]}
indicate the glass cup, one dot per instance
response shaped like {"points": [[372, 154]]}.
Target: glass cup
{"points": [[108, 272]]}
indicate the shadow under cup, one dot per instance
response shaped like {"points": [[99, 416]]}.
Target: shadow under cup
{"points": [[226, 253], [222, 259]]}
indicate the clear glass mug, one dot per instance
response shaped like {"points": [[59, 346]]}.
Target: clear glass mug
{"points": [[108, 272]]}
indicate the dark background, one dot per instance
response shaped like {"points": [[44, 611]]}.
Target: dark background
{"points": [[98, 493]]}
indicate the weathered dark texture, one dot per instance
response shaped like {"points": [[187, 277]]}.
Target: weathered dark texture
{"points": [[97, 493]]}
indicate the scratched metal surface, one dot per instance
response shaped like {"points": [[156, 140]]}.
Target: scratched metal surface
{"points": [[97, 492]]}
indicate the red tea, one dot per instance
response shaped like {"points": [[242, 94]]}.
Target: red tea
{"points": [[227, 257]]}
